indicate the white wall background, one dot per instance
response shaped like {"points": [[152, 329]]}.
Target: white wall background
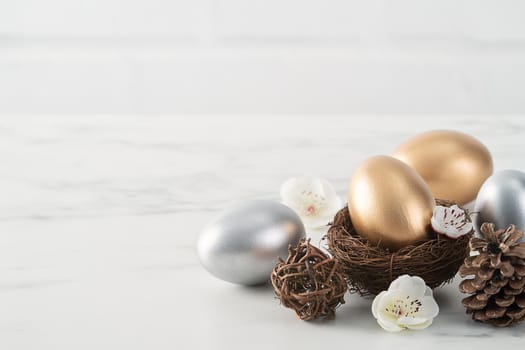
{"points": [[262, 56]]}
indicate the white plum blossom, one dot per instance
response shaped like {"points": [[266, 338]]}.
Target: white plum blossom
{"points": [[313, 199], [407, 304], [451, 221]]}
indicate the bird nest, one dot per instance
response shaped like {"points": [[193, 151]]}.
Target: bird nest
{"points": [[369, 269]]}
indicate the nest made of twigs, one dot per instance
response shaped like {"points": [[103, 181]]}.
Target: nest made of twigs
{"points": [[369, 269], [310, 282]]}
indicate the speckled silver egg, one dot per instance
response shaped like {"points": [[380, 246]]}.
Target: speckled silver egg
{"points": [[244, 243], [501, 200]]}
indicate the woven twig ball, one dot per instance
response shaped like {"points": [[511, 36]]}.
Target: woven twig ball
{"points": [[309, 282], [369, 269]]}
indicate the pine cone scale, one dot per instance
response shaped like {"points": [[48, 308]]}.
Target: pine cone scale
{"points": [[516, 313], [520, 301], [502, 322], [505, 301], [507, 270], [482, 296], [513, 236], [499, 282], [485, 272], [519, 270], [465, 270], [517, 251], [466, 287], [480, 316], [517, 283], [495, 311], [491, 290], [510, 291], [474, 303], [478, 282]]}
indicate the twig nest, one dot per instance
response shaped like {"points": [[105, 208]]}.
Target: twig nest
{"points": [[369, 268], [309, 282]]}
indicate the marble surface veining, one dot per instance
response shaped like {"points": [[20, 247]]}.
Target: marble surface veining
{"points": [[99, 218]]}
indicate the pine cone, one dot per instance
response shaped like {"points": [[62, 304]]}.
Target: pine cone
{"points": [[498, 283]]}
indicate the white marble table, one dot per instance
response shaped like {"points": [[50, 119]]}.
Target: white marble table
{"points": [[99, 218]]}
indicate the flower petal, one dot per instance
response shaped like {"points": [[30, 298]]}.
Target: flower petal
{"points": [[293, 189], [437, 225], [420, 325], [396, 284], [376, 303], [411, 321], [313, 199], [429, 308], [329, 190], [389, 326], [411, 285]]}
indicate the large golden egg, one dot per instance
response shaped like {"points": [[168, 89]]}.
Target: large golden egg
{"points": [[389, 203], [453, 164]]}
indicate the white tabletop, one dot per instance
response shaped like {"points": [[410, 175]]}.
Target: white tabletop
{"points": [[99, 217]]}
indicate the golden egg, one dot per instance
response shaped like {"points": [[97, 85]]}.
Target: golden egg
{"points": [[453, 164], [389, 203]]}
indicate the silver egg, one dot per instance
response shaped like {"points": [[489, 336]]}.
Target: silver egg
{"points": [[501, 200], [244, 243]]}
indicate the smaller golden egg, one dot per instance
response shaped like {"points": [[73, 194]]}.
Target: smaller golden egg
{"points": [[389, 203]]}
